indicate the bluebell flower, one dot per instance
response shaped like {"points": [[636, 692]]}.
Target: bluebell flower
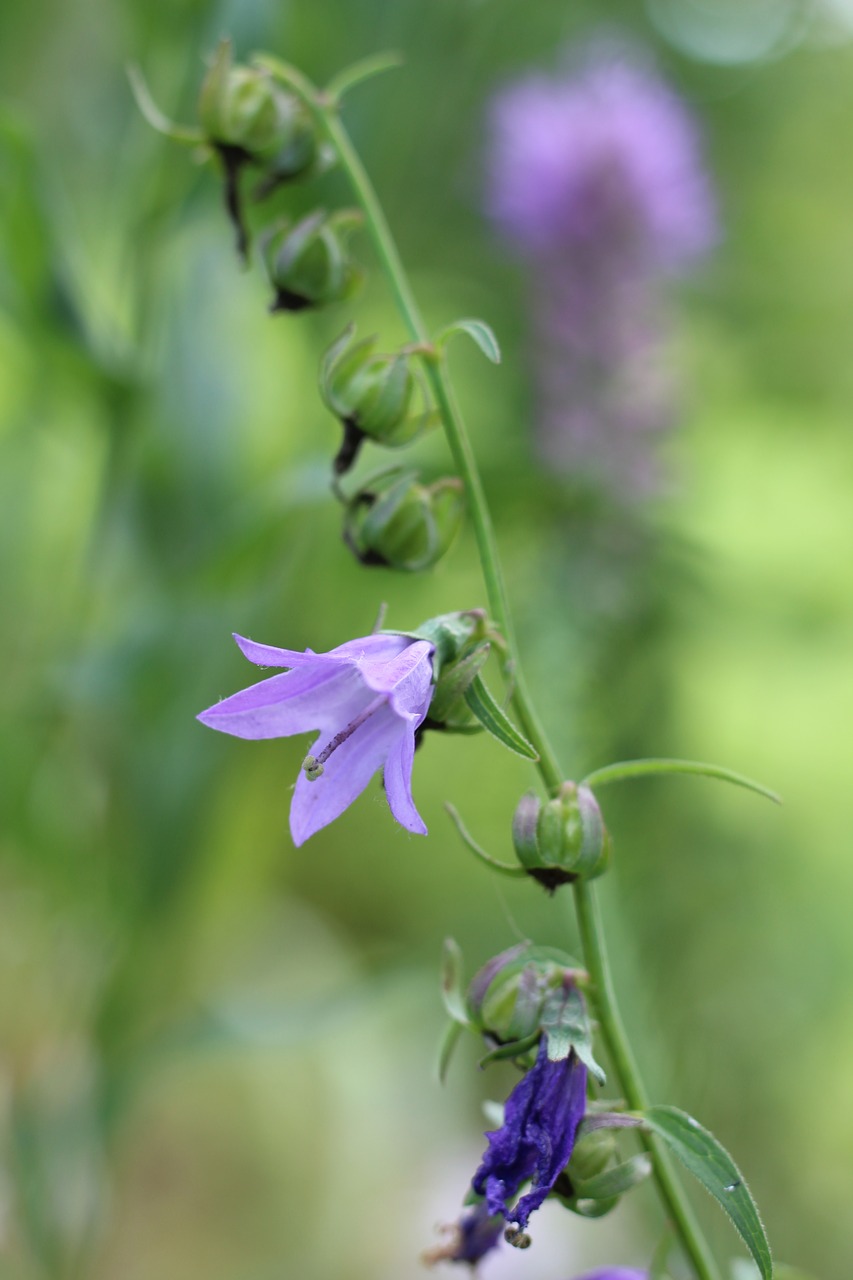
{"points": [[535, 1141], [367, 698]]}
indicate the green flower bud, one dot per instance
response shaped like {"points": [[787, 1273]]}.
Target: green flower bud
{"points": [[308, 264], [249, 119], [244, 109], [563, 839], [507, 997], [372, 394], [401, 524]]}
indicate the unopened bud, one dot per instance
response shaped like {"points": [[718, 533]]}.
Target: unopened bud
{"points": [[563, 839], [242, 107], [309, 264], [401, 524], [506, 998], [373, 394]]}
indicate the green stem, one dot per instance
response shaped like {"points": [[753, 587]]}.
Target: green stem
{"points": [[592, 935]]}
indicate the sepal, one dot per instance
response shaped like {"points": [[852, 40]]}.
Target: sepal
{"points": [[308, 264]]}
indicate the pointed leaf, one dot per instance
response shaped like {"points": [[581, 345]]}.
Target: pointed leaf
{"points": [[645, 768], [496, 721], [701, 1153], [479, 332]]}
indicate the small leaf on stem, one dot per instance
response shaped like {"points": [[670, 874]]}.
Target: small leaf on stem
{"points": [[496, 721], [478, 331]]}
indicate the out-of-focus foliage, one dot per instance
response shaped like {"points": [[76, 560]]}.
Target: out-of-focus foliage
{"points": [[218, 1052]]}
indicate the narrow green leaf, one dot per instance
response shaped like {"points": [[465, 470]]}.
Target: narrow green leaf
{"points": [[496, 721], [479, 332], [704, 1157], [505, 868], [361, 71], [625, 769], [153, 114]]}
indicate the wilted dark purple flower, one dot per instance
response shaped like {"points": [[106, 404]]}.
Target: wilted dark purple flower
{"points": [[366, 698], [535, 1141], [595, 177]]}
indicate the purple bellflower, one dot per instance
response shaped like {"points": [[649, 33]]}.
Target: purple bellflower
{"points": [[535, 1141], [366, 698], [596, 180]]}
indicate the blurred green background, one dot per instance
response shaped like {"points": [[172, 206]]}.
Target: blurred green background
{"points": [[217, 1051]]}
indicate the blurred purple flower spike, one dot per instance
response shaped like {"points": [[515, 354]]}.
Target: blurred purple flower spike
{"points": [[367, 698], [596, 179], [604, 154]]}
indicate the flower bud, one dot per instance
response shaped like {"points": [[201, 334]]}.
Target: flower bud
{"points": [[507, 997], [372, 394], [401, 524], [242, 108], [563, 839], [308, 264]]}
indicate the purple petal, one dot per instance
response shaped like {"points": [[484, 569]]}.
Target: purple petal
{"points": [[345, 774], [266, 655], [406, 679], [535, 1141], [398, 781], [315, 697], [378, 648]]}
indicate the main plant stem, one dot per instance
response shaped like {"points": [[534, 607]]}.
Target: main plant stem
{"points": [[586, 905]]}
